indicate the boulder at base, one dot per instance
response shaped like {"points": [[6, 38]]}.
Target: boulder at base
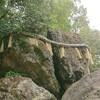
{"points": [[22, 88], [88, 88]]}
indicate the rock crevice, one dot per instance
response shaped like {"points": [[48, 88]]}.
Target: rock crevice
{"points": [[69, 68]]}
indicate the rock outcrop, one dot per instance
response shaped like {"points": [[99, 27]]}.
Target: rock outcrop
{"points": [[88, 88], [69, 68], [36, 63], [21, 88], [52, 72]]}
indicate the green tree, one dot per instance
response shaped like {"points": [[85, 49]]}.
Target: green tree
{"points": [[60, 13], [80, 24], [25, 15], [79, 20]]}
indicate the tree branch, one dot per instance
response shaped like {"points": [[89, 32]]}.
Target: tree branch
{"points": [[4, 15]]}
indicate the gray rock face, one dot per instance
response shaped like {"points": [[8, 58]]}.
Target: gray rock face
{"points": [[37, 63], [88, 88], [21, 88], [70, 68], [51, 72]]}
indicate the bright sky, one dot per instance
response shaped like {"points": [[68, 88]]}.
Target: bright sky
{"points": [[93, 12]]}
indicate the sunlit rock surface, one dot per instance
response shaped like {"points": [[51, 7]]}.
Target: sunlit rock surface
{"points": [[88, 88], [21, 88]]}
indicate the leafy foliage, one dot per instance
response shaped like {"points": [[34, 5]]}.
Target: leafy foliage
{"points": [[25, 15], [12, 74], [60, 13]]}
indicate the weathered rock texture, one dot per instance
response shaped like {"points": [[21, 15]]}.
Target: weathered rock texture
{"points": [[88, 88], [21, 88], [70, 68], [36, 63], [51, 72]]}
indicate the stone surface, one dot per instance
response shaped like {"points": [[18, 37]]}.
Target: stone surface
{"points": [[51, 72], [88, 88], [35, 62], [69, 68], [21, 88]]}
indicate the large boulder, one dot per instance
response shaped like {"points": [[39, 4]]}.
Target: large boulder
{"points": [[35, 62], [69, 68], [21, 88], [88, 88]]}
